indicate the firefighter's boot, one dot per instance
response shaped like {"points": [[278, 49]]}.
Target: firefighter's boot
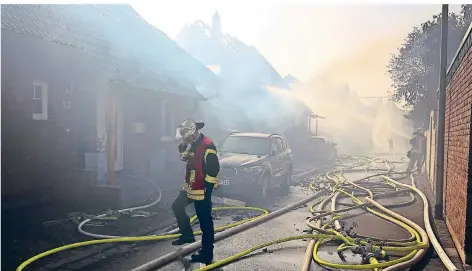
{"points": [[202, 257]]}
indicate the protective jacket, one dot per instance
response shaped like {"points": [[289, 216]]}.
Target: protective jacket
{"points": [[202, 168], [418, 144]]}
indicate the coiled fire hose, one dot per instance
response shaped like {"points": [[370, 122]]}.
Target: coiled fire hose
{"points": [[375, 252]]}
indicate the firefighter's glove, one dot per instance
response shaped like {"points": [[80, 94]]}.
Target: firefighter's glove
{"points": [[185, 156], [184, 150]]}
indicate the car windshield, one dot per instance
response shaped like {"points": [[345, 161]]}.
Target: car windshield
{"points": [[245, 145]]}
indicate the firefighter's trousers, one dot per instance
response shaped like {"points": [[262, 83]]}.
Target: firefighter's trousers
{"points": [[203, 211], [417, 158]]}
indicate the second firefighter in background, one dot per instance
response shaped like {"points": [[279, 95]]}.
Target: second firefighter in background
{"points": [[202, 167]]}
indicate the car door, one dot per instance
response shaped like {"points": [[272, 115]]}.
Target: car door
{"points": [[280, 161], [287, 152], [285, 158], [274, 160]]}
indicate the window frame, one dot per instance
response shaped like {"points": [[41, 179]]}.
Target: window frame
{"points": [[44, 100], [284, 143], [280, 145]]}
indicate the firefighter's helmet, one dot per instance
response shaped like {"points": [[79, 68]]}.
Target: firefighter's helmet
{"points": [[187, 128]]}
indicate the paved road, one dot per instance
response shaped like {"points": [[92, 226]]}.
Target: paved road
{"points": [[127, 259], [287, 256], [28, 237], [286, 259]]}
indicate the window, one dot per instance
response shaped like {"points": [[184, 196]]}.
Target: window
{"points": [[273, 146], [280, 145], [284, 144], [40, 100], [167, 122]]}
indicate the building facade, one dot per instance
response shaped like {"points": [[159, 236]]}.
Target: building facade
{"points": [[75, 80], [457, 186], [457, 150]]}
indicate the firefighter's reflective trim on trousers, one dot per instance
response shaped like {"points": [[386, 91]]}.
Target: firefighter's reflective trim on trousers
{"points": [[207, 152], [195, 194]]}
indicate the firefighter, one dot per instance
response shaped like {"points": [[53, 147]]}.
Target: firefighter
{"points": [[417, 151], [202, 167], [390, 144]]}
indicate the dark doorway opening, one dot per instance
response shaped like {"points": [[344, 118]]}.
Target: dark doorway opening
{"points": [[85, 120]]}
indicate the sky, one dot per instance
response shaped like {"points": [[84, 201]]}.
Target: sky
{"points": [[350, 43]]}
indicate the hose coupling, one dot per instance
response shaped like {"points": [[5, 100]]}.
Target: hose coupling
{"points": [[356, 249], [366, 258]]}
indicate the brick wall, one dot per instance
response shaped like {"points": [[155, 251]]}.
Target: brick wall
{"points": [[457, 138]]}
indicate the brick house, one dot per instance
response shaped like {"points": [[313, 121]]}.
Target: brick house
{"points": [[457, 187], [62, 65]]}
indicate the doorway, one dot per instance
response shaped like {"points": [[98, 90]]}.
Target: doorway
{"points": [[85, 123]]}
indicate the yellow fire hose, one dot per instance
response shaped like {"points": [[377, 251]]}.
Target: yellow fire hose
{"points": [[326, 232], [143, 238], [374, 263]]}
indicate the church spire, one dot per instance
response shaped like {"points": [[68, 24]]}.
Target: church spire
{"points": [[216, 25]]}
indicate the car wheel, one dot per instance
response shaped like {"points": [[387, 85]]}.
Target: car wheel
{"points": [[288, 180], [265, 186]]}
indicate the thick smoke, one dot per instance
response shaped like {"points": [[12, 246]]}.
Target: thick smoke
{"points": [[243, 102], [254, 98], [357, 124], [260, 110]]}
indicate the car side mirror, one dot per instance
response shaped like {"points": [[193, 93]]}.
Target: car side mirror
{"points": [[273, 152]]}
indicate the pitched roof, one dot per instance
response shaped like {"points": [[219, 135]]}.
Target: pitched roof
{"points": [[242, 66], [117, 39]]}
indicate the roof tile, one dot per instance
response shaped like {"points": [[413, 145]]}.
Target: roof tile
{"points": [[114, 36]]}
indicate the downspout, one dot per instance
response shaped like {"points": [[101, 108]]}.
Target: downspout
{"points": [[438, 206]]}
